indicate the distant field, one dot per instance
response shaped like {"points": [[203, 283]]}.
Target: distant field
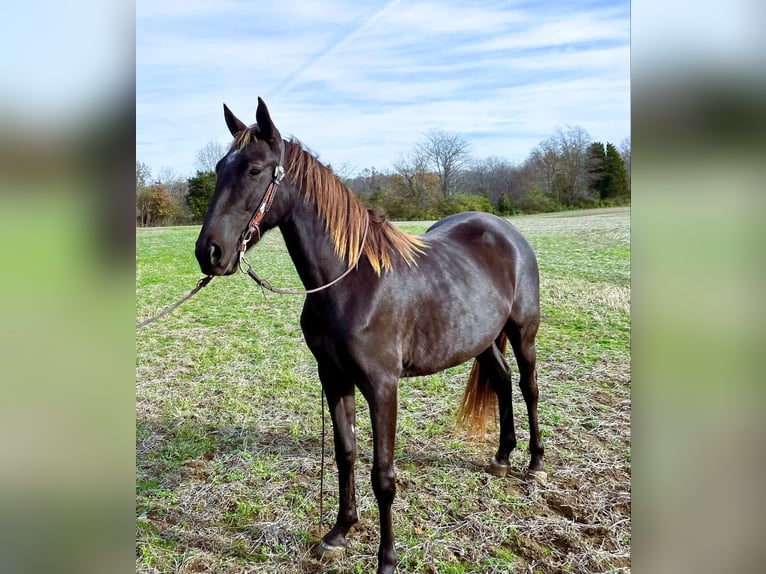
{"points": [[228, 425]]}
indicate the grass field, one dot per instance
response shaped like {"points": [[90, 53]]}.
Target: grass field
{"points": [[228, 425]]}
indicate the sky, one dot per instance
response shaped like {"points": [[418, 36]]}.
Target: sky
{"points": [[360, 82]]}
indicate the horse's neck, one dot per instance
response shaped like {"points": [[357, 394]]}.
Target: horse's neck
{"points": [[310, 246]]}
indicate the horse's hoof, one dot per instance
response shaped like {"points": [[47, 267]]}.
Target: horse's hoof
{"points": [[328, 553], [537, 476], [497, 469]]}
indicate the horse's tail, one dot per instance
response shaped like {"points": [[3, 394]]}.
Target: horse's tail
{"points": [[479, 400]]}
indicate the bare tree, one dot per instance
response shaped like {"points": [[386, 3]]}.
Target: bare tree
{"points": [[208, 156], [544, 165], [492, 177], [625, 155], [344, 171], [572, 143], [168, 184], [447, 154], [367, 182], [559, 166], [175, 185], [410, 166], [143, 175]]}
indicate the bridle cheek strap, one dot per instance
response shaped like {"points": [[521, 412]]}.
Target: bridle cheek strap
{"points": [[263, 207]]}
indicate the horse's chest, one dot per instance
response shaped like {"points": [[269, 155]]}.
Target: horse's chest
{"points": [[361, 339], [325, 329]]}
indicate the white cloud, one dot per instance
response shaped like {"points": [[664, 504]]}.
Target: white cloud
{"points": [[361, 83]]}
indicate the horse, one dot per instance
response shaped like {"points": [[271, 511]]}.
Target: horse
{"points": [[381, 304]]}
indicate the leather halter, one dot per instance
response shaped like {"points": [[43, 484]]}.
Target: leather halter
{"points": [[263, 207]]}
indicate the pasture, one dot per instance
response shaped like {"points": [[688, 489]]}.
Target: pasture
{"points": [[228, 425]]}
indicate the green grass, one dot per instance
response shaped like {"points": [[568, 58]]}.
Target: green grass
{"points": [[228, 425]]}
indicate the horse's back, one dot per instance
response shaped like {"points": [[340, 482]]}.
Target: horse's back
{"points": [[474, 222], [484, 232]]}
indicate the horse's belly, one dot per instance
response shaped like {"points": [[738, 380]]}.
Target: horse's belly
{"points": [[417, 368], [431, 352]]}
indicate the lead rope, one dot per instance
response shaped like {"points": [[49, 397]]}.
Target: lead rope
{"points": [[200, 284], [250, 272], [321, 472]]}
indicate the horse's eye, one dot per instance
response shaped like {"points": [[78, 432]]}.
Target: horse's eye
{"points": [[255, 171]]}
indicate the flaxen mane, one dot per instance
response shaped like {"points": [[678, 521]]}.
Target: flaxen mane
{"points": [[344, 216]]}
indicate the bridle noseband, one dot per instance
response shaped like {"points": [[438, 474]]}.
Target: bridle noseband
{"points": [[253, 227]]}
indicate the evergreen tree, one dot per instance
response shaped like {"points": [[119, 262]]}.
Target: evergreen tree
{"points": [[597, 169], [616, 185], [201, 189]]}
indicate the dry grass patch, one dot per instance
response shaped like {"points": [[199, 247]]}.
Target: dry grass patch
{"points": [[228, 427]]}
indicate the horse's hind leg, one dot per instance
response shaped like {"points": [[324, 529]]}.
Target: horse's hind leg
{"points": [[522, 338], [494, 367]]}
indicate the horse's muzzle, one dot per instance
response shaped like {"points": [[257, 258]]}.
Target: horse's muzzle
{"points": [[212, 259]]}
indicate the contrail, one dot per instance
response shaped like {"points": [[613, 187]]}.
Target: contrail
{"points": [[322, 54]]}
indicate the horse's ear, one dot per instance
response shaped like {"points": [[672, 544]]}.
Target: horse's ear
{"points": [[267, 131], [234, 124]]}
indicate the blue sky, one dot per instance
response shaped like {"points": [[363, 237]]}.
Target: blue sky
{"points": [[360, 82]]}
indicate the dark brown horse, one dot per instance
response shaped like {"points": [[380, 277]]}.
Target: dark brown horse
{"points": [[404, 306]]}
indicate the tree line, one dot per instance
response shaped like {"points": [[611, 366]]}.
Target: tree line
{"points": [[439, 176]]}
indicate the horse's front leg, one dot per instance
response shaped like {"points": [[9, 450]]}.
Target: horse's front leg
{"points": [[382, 399], [342, 410]]}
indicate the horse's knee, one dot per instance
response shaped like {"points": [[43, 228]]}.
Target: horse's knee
{"points": [[345, 457], [384, 484]]}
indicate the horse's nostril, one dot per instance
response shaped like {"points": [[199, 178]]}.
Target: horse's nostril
{"points": [[215, 254]]}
